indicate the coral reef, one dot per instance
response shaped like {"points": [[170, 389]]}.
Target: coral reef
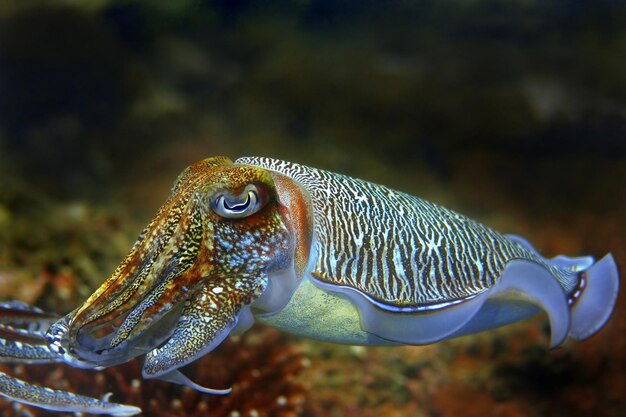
{"points": [[513, 115], [261, 367]]}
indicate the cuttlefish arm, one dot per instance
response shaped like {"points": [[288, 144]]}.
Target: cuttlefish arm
{"points": [[208, 317], [204, 258], [22, 340], [186, 283], [22, 334]]}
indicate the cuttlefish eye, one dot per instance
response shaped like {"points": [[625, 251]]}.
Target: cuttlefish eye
{"points": [[251, 200]]}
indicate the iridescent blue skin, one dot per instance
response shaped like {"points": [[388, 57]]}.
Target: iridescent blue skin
{"points": [[309, 252]]}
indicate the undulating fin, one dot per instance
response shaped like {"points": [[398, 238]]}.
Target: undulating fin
{"points": [[597, 298], [409, 328], [577, 315], [594, 298], [523, 288], [57, 400]]}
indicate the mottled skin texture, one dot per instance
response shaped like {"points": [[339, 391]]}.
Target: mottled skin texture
{"points": [[307, 251], [182, 285], [188, 253], [402, 251]]}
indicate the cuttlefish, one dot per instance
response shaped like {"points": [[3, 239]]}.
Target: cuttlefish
{"points": [[307, 251]]}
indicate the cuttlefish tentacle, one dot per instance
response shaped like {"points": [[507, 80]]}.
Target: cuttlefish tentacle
{"points": [[22, 334], [58, 400], [22, 340], [14, 349], [24, 317]]}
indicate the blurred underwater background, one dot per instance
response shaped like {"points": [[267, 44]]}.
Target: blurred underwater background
{"points": [[511, 112]]}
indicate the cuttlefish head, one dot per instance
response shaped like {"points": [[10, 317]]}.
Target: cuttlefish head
{"points": [[206, 253]]}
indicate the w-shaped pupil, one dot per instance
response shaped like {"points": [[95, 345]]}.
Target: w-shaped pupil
{"points": [[235, 206]]}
